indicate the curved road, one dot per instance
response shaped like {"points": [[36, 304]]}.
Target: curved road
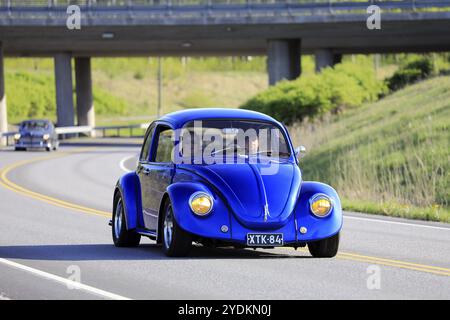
{"points": [[54, 230]]}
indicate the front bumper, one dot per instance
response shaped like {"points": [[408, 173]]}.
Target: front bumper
{"points": [[299, 228], [33, 144]]}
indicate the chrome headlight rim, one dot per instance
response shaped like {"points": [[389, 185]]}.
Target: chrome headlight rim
{"points": [[46, 136], [17, 136], [319, 196], [199, 194]]}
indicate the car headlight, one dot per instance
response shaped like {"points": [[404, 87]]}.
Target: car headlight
{"points": [[17, 136], [320, 205], [201, 203], [46, 136]]}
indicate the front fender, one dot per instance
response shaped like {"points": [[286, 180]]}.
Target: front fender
{"points": [[317, 228], [130, 190], [208, 226]]}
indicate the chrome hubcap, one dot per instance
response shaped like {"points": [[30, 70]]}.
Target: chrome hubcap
{"points": [[168, 228], [118, 219]]}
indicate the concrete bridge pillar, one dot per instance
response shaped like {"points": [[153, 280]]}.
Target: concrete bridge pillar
{"points": [[283, 59], [64, 95], [3, 110], [85, 102], [326, 58]]}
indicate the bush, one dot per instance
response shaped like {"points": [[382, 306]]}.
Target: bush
{"points": [[345, 86], [412, 72]]}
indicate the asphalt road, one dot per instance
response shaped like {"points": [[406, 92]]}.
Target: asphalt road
{"points": [[54, 229]]}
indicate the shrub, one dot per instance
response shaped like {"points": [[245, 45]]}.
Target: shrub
{"points": [[411, 72], [138, 75], [345, 86]]}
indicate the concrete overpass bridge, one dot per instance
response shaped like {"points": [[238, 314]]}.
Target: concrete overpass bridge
{"points": [[280, 29]]}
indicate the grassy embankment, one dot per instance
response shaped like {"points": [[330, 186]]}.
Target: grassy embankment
{"points": [[391, 157], [125, 90]]}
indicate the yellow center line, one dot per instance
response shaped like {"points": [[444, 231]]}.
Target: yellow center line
{"points": [[388, 262], [426, 268], [384, 260], [5, 182]]}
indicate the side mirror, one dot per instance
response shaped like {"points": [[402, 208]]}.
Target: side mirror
{"points": [[299, 151]]}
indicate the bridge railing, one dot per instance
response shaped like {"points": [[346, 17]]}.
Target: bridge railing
{"points": [[110, 3], [198, 5]]}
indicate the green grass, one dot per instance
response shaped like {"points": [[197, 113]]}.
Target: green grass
{"points": [[126, 88], [391, 157]]}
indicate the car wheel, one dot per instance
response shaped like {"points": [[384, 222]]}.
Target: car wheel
{"points": [[121, 236], [19, 149], [325, 248], [176, 242], [49, 148]]}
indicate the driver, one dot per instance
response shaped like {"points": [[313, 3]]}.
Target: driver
{"points": [[253, 145]]}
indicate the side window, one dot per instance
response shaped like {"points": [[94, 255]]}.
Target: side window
{"points": [[147, 142], [164, 146]]}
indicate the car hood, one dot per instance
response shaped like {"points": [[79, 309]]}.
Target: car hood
{"points": [[258, 197]]}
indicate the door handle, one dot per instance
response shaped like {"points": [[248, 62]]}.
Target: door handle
{"points": [[146, 171]]}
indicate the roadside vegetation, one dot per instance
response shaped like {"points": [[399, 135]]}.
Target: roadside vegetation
{"points": [[125, 89], [391, 157], [347, 85]]}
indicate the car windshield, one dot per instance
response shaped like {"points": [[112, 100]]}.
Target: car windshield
{"points": [[35, 125], [244, 138]]}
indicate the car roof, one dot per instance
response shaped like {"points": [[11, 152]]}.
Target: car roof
{"points": [[179, 118]]}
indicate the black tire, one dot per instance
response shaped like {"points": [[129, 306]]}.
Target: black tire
{"points": [[19, 149], [49, 149], [121, 236], [325, 248], [180, 241]]}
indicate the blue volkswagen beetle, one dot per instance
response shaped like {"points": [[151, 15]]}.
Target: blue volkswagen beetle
{"points": [[223, 177]]}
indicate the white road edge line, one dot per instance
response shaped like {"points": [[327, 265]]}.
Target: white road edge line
{"points": [[122, 163], [67, 282], [396, 222]]}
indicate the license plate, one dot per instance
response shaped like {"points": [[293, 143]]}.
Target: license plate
{"points": [[264, 239]]}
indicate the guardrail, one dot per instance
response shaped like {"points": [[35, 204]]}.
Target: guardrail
{"points": [[188, 3], [134, 9], [64, 132]]}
